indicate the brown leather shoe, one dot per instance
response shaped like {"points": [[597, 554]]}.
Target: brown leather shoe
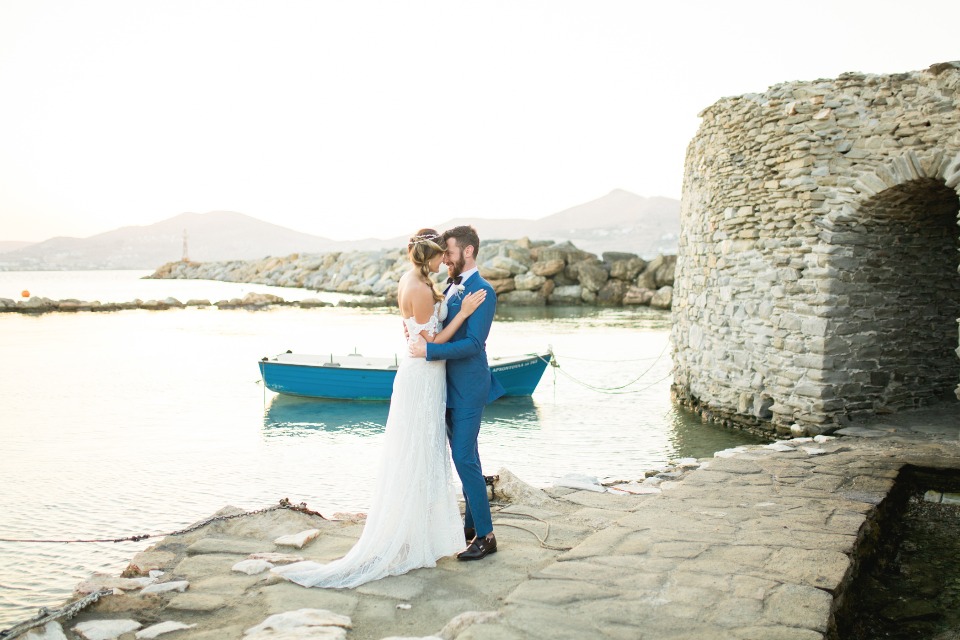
{"points": [[480, 548], [469, 535]]}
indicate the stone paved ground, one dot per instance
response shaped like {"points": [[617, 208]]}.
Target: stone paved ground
{"points": [[752, 545]]}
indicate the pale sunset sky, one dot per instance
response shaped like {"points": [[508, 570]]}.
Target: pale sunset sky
{"points": [[373, 117]]}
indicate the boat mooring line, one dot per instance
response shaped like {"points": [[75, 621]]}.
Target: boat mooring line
{"points": [[621, 389], [45, 615]]}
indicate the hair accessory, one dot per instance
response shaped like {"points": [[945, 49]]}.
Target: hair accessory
{"points": [[430, 237]]}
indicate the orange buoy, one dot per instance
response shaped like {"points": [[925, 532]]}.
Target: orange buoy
{"points": [[25, 293]]}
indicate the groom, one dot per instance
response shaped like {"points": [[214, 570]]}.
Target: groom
{"points": [[470, 385]]}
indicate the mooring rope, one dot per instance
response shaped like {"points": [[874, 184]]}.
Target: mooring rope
{"points": [[617, 390], [45, 615]]}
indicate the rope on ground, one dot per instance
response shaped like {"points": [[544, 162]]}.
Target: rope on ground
{"points": [[46, 615], [543, 540], [284, 504]]}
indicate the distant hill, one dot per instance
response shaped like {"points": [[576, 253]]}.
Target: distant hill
{"points": [[10, 245], [619, 221], [218, 235]]}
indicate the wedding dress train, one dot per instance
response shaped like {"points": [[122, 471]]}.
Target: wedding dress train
{"points": [[413, 519]]}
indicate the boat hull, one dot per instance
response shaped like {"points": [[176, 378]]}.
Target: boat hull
{"points": [[358, 378]]}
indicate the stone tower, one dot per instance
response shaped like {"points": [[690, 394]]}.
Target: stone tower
{"points": [[817, 273]]}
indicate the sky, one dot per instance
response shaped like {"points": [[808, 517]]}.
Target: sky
{"points": [[363, 118]]}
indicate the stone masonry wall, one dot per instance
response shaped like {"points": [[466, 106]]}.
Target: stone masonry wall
{"points": [[817, 274]]}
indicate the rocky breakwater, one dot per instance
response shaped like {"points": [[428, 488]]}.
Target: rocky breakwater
{"points": [[522, 272], [251, 301]]}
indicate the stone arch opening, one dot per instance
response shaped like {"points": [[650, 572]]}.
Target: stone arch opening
{"points": [[897, 274]]}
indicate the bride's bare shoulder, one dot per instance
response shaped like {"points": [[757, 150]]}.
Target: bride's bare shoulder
{"points": [[413, 297]]}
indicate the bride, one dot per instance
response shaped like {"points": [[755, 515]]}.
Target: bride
{"points": [[413, 519]]}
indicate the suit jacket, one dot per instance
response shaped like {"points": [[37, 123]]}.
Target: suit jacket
{"points": [[469, 381]]}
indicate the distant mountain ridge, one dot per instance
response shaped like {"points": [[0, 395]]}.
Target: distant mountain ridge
{"points": [[619, 221], [214, 236]]}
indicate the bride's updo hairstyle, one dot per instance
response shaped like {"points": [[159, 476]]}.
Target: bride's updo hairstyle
{"points": [[423, 247]]}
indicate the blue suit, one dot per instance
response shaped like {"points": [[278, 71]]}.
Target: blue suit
{"points": [[470, 386]]}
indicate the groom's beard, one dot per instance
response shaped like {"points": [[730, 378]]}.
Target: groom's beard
{"points": [[457, 267]]}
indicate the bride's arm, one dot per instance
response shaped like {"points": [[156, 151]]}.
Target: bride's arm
{"points": [[467, 307], [423, 310]]}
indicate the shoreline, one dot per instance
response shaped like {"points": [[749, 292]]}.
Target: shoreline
{"points": [[757, 542]]}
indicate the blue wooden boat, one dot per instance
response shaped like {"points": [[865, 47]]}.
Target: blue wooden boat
{"points": [[356, 377]]}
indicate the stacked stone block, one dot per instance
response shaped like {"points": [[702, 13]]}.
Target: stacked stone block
{"points": [[817, 275]]}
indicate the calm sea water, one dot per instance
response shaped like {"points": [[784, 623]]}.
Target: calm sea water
{"points": [[132, 422]]}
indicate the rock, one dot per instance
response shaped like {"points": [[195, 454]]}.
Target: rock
{"points": [[166, 587], [664, 274], [529, 282], [302, 623], [635, 295], [776, 446], [297, 540], [592, 276], [523, 299], [663, 298], [647, 279], [276, 558], [313, 303], [514, 267], [616, 256], [50, 631], [564, 251], [252, 567], [466, 619], [504, 285], [513, 489], [612, 293], [224, 544], [547, 289], [154, 305], [494, 273], [568, 295], [99, 581], [626, 269], [197, 602], [105, 629], [547, 268], [161, 628], [580, 481]]}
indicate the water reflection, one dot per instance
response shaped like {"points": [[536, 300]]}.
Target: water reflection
{"points": [[635, 318], [516, 412], [690, 437], [291, 416]]}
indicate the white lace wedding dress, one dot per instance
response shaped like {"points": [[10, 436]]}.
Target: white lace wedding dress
{"points": [[413, 518]]}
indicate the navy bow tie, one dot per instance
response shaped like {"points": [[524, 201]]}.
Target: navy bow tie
{"points": [[456, 280]]}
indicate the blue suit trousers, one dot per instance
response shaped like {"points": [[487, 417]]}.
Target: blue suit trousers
{"points": [[463, 427]]}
